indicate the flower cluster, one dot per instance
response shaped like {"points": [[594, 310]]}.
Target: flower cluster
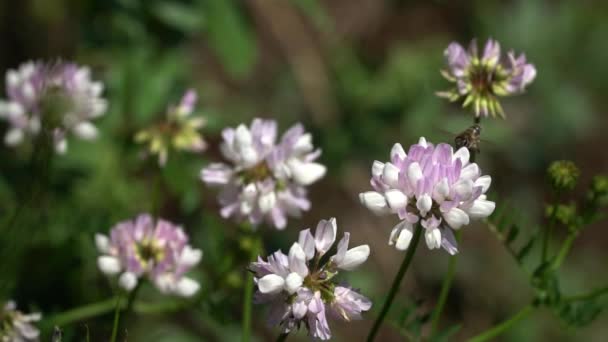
{"points": [[16, 326], [481, 80], [430, 184], [265, 180], [179, 131], [145, 248], [302, 291], [56, 98]]}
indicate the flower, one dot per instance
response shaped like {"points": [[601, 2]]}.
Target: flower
{"points": [[563, 174], [432, 185], [179, 131], [16, 326], [302, 291], [264, 180], [157, 250], [51, 97], [481, 80]]}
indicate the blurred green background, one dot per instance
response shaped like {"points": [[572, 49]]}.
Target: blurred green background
{"points": [[361, 75]]}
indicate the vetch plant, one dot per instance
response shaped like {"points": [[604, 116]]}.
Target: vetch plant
{"points": [[265, 180], [300, 287], [16, 326], [54, 98]]}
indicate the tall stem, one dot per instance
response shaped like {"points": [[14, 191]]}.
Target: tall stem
{"points": [[564, 250], [116, 319], [396, 283], [445, 290], [248, 288], [504, 326]]}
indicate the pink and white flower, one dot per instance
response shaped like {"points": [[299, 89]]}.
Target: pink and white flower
{"points": [[16, 326]]}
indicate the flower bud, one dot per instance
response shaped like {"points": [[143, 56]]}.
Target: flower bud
{"points": [[563, 175]]}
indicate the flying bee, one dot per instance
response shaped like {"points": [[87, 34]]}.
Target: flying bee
{"points": [[469, 138]]}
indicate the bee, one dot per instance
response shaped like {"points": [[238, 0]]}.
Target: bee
{"points": [[469, 138]]}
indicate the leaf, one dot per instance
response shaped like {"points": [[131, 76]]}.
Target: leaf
{"points": [[230, 37], [525, 250], [579, 314], [512, 235], [179, 16], [446, 334]]}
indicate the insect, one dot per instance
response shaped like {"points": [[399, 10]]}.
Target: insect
{"points": [[469, 138]]}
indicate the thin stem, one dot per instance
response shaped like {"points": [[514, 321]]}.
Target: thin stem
{"points": [[504, 326], [282, 337], [564, 250], [116, 319], [445, 290], [585, 296], [248, 288], [396, 283]]}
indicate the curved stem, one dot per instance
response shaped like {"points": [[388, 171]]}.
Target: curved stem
{"points": [[248, 288], [116, 319], [445, 290], [396, 283], [585, 296], [564, 250], [282, 337], [504, 326]]}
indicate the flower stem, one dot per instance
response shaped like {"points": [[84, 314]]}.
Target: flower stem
{"points": [[445, 289], [282, 337], [564, 250], [248, 288], [396, 283], [504, 326], [586, 296], [116, 319]]}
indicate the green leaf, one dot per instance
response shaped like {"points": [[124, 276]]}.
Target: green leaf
{"points": [[446, 334], [525, 250], [579, 314], [230, 37], [179, 16]]}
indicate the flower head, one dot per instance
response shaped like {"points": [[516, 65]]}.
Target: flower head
{"points": [[302, 290], [481, 80], [157, 250], [16, 326], [179, 131], [432, 186], [563, 174], [57, 98], [265, 180]]}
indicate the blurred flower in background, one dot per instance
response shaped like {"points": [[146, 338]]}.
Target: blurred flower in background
{"points": [[179, 131], [301, 290], [16, 326], [430, 184], [56, 97], [265, 181], [481, 80], [145, 248]]}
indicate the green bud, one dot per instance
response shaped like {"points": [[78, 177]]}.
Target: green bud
{"points": [[563, 174], [598, 191], [566, 214]]}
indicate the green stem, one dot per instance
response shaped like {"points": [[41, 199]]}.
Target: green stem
{"points": [[248, 288], [504, 326], [564, 250], [445, 289], [282, 337], [116, 319], [396, 283], [585, 296]]}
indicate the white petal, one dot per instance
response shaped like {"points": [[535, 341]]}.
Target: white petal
{"points": [[396, 199], [306, 173], [462, 154], [304, 144], [11, 109], [484, 182], [398, 151], [456, 218], [404, 239], [470, 171], [187, 287], [86, 130], [299, 309], [374, 201], [307, 242], [267, 202], [481, 209], [190, 256], [249, 156], [127, 281], [424, 204], [414, 174], [422, 142], [271, 283], [377, 168], [28, 92], [354, 257], [102, 243], [250, 191], [293, 282], [463, 188], [297, 260], [242, 137], [390, 175], [442, 190], [13, 137], [325, 235], [433, 238], [108, 264], [61, 146], [12, 79]]}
